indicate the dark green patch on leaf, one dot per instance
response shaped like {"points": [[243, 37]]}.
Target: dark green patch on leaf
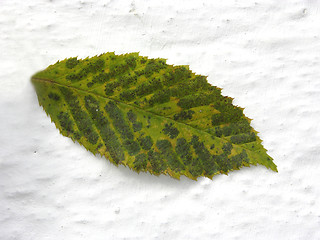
{"points": [[240, 159], [227, 148], [154, 66], [166, 149], [146, 142], [118, 120], [171, 131], [72, 62], [136, 125], [83, 121], [140, 162], [203, 155], [132, 147], [243, 138], [156, 161], [183, 115], [54, 96], [236, 128], [65, 121], [109, 137], [159, 97], [183, 150]]}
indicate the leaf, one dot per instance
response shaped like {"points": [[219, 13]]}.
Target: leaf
{"points": [[149, 116]]}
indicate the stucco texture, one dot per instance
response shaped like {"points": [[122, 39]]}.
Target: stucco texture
{"points": [[264, 54]]}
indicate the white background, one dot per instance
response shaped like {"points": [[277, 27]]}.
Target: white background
{"points": [[265, 54]]}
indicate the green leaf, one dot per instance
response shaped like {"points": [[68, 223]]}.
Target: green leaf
{"points": [[149, 116]]}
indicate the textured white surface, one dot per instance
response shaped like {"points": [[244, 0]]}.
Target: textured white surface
{"points": [[265, 54]]}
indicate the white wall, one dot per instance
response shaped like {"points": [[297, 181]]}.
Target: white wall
{"points": [[265, 54]]}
